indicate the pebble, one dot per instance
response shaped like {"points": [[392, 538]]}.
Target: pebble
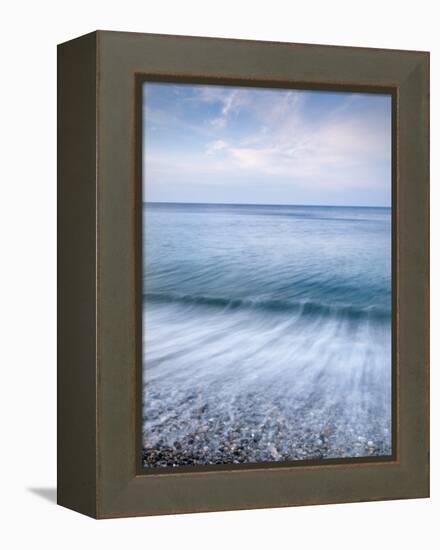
{"points": [[249, 436]]}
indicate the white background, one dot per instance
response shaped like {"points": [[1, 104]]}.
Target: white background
{"points": [[29, 33]]}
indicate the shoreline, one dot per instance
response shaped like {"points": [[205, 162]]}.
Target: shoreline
{"points": [[178, 455]]}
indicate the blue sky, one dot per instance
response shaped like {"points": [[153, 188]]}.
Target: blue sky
{"points": [[223, 144]]}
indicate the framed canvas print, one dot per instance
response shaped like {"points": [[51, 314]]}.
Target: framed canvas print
{"points": [[243, 274]]}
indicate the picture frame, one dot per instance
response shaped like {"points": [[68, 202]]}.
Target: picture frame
{"points": [[99, 274]]}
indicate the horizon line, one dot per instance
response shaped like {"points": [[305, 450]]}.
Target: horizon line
{"points": [[266, 204]]}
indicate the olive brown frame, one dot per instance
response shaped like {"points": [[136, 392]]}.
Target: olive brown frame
{"points": [[99, 298]]}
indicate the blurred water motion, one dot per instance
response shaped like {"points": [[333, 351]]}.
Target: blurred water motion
{"points": [[266, 333]]}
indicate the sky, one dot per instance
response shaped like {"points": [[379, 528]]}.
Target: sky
{"points": [[242, 145]]}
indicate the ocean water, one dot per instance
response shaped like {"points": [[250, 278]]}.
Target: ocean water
{"points": [[266, 333]]}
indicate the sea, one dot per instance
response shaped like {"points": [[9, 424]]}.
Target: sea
{"points": [[266, 333]]}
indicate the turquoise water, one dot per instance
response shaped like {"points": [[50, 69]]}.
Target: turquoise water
{"points": [[267, 333]]}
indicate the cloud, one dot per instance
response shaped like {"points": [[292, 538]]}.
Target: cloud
{"points": [[296, 139], [219, 122], [229, 102], [217, 145], [288, 144]]}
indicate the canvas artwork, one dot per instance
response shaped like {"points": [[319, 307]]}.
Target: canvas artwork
{"points": [[267, 278]]}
